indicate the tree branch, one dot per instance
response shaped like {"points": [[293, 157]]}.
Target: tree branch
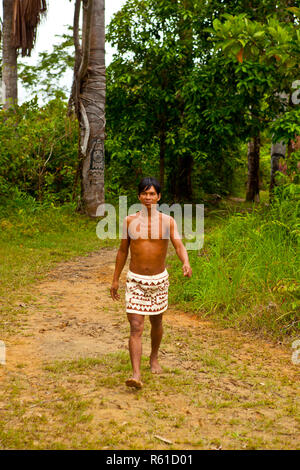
{"points": [[73, 100], [86, 40], [87, 129], [78, 50]]}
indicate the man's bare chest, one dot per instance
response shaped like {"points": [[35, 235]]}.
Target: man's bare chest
{"points": [[148, 229]]}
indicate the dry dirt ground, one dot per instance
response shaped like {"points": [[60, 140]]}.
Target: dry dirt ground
{"points": [[63, 382]]}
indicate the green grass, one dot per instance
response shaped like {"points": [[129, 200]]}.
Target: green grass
{"points": [[247, 273], [32, 241]]}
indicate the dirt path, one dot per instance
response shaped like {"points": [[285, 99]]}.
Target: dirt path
{"points": [[63, 384]]}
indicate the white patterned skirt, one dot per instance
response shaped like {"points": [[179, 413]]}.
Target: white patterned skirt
{"points": [[147, 295]]}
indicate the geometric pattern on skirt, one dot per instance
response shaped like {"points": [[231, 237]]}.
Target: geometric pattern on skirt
{"points": [[147, 295]]}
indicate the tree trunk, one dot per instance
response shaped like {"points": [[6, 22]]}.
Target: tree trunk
{"points": [[91, 106], [277, 151], [172, 178], [162, 153], [253, 169], [184, 180], [9, 66]]}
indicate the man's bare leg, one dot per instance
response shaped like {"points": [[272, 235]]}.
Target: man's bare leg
{"points": [[135, 348], [156, 336]]}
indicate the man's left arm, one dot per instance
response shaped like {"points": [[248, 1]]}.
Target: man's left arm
{"points": [[180, 248]]}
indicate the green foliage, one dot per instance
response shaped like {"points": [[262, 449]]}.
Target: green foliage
{"points": [[169, 92], [272, 42], [258, 87], [45, 77], [214, 125], [38, 150], [167, 96], [126, 165], [265, 52], [287, 126]]}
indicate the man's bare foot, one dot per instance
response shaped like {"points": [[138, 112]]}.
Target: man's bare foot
{"points": [[155, 367], [135, 383]]}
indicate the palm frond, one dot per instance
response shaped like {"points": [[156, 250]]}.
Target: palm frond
{"points": [[26, 17]]}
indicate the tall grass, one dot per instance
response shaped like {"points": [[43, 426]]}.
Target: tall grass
{"points": [[247, 274]]}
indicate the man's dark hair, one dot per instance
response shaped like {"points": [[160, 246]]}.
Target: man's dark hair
{"points": [[146, 183]]}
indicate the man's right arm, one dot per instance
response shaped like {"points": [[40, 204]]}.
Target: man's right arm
{"points": [[120, 261]]}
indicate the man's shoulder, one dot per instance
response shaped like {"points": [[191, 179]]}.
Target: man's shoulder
{"points": [[130, 217], [167, 218]]}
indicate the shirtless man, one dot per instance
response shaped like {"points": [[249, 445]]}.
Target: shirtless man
{"points": [[147, 234]]}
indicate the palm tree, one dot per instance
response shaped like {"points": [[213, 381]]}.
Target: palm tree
{"points": [[20, 21], [9, 67], [88, 97]]}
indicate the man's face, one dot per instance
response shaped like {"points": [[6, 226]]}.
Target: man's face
{"points": [[149, 196]]}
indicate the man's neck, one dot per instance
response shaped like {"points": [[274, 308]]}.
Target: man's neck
{"points": [[149, 211]]}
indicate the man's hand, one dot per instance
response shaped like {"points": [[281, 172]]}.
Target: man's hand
{"points": [[187, 270], [114, 290]]}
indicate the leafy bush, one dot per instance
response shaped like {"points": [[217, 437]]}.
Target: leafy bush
{"points": [[38, 150]]}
